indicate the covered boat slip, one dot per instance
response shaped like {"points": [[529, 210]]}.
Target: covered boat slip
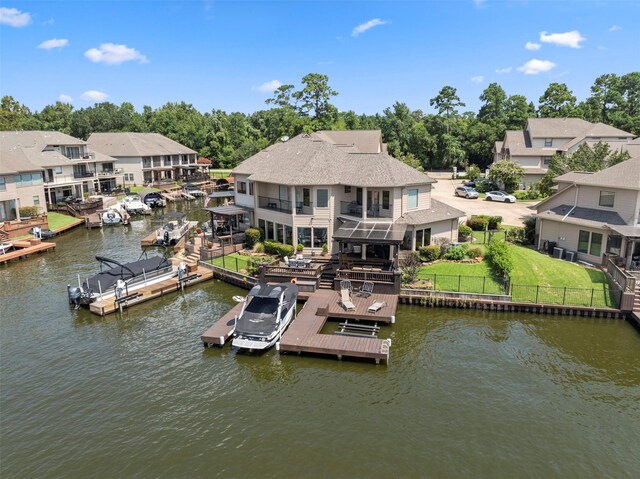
{"points": [[260, 316], [148, 267]]}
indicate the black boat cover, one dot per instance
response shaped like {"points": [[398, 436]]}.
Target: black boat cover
{"points": [[259, 317], [108, 278]]}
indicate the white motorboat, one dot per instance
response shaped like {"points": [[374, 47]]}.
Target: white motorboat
{"points": [[174, 228], [114, 215], [119, 281], [193, 190], [266, 312], [5, 247], [134, 205]]}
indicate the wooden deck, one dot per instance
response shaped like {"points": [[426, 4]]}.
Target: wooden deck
{"points": [[108, 306], [303, 335], [222, 329], [25, 248], [387, 314]]}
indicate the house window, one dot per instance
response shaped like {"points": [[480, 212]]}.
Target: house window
{"points": [[28, 179], [423, 237], [73, 152], [128, 177], [36, 200], [57, 170], [242, 187], [322, 196], [319, 237], [546, 160], [596, 244], [146, 162], [583, 242], [347, 189], [412, 200], [262, 226], [288, 235], [607, 198], [304, 236], [385, 199], [548, 142], [3, 184], [614, 244], [306, 196], [251, 188]]}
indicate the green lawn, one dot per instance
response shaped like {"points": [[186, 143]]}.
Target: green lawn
{"points": [[58, 220], [467, 277], [235, 261], [220, 173]]}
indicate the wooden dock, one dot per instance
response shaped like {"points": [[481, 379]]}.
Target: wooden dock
{"points": [[303, 334], [222, 329], [25, 248], [108, 306]]}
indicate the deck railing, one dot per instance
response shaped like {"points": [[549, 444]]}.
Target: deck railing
{"points": [[275, 204], [351, 208], [376, 276], [625, 280]]}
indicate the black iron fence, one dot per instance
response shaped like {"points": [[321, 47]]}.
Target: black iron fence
{"points": [[464, 284], [607, 296]]}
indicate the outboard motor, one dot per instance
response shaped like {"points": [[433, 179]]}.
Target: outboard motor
{"points": [[121, 288], [166, 237], [182, 270], [75, 295]]}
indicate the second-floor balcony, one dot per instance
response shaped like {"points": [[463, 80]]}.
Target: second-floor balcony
{"points": [[83, 174], [114, 172], [275, 204], [375, 210]]}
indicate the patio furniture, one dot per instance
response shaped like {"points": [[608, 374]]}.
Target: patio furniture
{"points": [[345, 299], [366, 289], [375, 307]]}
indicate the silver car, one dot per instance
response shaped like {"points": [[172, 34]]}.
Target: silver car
{"points": [[466, 192], [500, 196]]}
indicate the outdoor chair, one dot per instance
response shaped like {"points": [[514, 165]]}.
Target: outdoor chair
{"points": [[377, 306], [286, 261], [345, 300], [346, 284], [366, 289]]}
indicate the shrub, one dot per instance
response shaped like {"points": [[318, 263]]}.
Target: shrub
{"points": [[516, 235], [410, 267], [478, 223], [494, 222], [456, 253], [28, 211], [325, 248], [429, 253], [473, 172], [258, 248], [474, 252], [276, 248], [529, 230], [464, 233], [252, 236], [500, 258], [299, 247]]}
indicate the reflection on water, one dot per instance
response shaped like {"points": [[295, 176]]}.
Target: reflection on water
{"points": [[466, 393]]}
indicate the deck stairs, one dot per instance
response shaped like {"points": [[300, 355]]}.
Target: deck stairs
{"points": [[636, 299], [4, 236]]}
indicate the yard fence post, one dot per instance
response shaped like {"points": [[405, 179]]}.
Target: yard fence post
{"points": [[564, 296], [435, 279], [537, 291], [484, 282], [591, 303], [459, 278], [237, 264], [223, 265]]}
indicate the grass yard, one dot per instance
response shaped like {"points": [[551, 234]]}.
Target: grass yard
{"points": [[465, 277], [58, 220], [235, 261]]}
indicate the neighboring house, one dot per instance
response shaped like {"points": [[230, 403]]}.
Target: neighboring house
{"points": [[307, 188], [541, 138], [146, 157], [68, 167], [20, 182], [595, 214]]}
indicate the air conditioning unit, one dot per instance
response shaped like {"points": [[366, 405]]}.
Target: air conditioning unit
{"points": [[571, 256], [558, 252]]}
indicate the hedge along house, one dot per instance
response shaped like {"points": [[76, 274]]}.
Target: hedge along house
{"points": [[595, 215], [338, 188]]}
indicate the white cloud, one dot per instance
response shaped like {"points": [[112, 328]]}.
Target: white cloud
{"points": [[269, 86], [65, 98], [615, 28], [94, 95], [54, 43], [14, 17], [477, 79], [503, 70], [479, 3], [112, 54], [568, 39], [532, 46], [533, 67], [363, 27]]}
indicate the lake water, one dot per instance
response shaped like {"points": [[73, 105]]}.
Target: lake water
{"points": [[466, 393]]}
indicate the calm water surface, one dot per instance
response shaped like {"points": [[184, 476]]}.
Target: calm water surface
{"points": [[466, 394]]}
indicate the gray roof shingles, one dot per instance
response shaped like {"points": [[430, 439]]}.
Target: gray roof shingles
{"points": [[130, 144], [439, 211]]}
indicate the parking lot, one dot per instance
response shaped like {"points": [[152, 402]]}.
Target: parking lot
{"points": [[512, 213]]}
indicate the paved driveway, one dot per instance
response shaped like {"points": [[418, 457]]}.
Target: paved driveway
{"points": [[512, 213]]}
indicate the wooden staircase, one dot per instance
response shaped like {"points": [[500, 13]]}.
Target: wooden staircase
{"points": [[636, 299], [4, 236]]}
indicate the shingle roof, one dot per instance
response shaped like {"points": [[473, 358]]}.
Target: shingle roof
{"points": [[556, 127], [439, 211], [596, 131], [582, 216], [309, 160], [13, 160], [624, 175], [38, 138], [126, 144], [366, 141], [518, 145]]}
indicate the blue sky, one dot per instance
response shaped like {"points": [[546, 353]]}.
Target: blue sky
{"points": [[229, 55]]}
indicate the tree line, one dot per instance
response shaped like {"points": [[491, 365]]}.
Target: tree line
{"points": [[429, 141]]}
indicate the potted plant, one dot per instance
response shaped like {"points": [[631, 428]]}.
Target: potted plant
{"points": [[299, 248], [325, 249], [209, 244]]}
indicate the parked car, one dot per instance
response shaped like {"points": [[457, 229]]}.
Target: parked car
{"points": [[500, 196], [470, 183], [482, 185], [466, 192]]}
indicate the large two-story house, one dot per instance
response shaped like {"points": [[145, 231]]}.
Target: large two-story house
{"points": [[342, 189], [542, 138], [146, 158], [67, 167], [593, 214], [20, 182]]}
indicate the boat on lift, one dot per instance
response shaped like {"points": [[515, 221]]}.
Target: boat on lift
{"points": [[134, 205], [266, 312], [118, 280], [114, 215], [174, 227]]}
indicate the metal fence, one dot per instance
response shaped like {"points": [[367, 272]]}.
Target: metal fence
{"points": [[465, 284], [239, 264], [606, 297]]}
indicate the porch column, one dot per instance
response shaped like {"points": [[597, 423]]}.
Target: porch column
{"points": [[363, 251], [413, 240], [631, 247], [365, 206], [292, 193]]}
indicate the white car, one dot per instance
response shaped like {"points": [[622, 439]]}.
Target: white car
{"points": [[500, 196]]}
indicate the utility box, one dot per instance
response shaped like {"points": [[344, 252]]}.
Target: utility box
{"points": [[558, 252]]}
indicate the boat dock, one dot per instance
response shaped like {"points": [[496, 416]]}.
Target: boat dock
{"points": [[26, 248], [146, 293], [304, 336]]}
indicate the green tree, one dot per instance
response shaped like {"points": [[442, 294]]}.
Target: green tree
{"points": [[56, 117], [557, 101], [13, 115], [507, 173], [473, 172], [315, 99], [447, 103], [494, 103], [518, 111]]}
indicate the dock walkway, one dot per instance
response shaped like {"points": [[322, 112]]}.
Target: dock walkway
{"points": [[26, 248], [222, 329]]}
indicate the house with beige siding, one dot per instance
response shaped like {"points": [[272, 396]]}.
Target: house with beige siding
{"points": [[595, 214], [66, 165], [146, 158], [316, 188], [542, 138], [20, 183]]}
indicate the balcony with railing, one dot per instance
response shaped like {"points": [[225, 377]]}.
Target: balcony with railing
{"points": [[351, 208], [114, 172], [304, 208], [274, 204], [83, 174]]}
